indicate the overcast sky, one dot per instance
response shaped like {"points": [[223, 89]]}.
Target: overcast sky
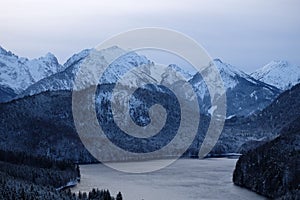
{"points": [[247, 34]]}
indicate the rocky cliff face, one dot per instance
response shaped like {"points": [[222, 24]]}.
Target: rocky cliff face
{"points": [[41, 122], [245, 95], [6, 93], [18, 73], [243, 133], [273, 169], [280, 74], [41, 110], [43, 125]]}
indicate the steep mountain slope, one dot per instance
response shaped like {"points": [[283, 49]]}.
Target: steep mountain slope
{"points": [[245, 95], [273, 169], [49, 128], [284, 110], [280, 74], [49, 123], [65, 79], [42, 125], [18, 73], [242, 133], [6, 93]]}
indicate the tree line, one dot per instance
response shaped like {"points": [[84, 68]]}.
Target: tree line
{"points": [[28, 177]]}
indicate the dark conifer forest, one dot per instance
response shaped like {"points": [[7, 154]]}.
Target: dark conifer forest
{"points": [[28, 177]]}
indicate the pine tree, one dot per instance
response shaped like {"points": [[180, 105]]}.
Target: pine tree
{"points": [[119, 196]]}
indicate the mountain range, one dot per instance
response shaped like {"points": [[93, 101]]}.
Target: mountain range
{"points": [[21, 77], [18, 73], [262, 120], [256, 111], [243, 133], [280, 74]]}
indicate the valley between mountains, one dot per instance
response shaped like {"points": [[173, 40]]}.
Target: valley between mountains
{"points": [[261, 122]]}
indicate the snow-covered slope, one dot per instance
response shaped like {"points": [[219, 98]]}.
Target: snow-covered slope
{"points": [[230, 74], [95, 59], [245, 95], [18, 73], [280, 74]]}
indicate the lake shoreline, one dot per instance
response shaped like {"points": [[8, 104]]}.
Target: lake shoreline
{"points": [[209, 178]]}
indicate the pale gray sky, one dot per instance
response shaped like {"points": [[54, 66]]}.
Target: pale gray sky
{"points": [[247, 34]]}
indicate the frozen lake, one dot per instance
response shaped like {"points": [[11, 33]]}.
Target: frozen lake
{"points": [[184, 179]]}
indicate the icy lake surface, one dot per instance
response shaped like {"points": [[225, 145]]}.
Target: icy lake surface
{"points": [[184, 179]]}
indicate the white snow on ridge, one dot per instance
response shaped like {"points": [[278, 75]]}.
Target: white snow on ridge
{"points": [[280, 74], [76, 57], [229, 74], [19, 73]]}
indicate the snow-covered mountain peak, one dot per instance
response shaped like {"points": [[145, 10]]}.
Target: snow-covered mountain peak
{"points": [[77, 57], [274, 64], [103, 54], [283, 63], [119, 62], [185, 73], [49, 56], [29, 77], [228, 69], [117, 56], [112, 53], [4, 52], [43, 67], [48, 59], [18, 73], [280, 74], [230, 74], [244, 94]]}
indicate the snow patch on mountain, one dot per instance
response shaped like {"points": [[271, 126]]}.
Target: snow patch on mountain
{"points": [[76, 58], [229, 74], [19, 73], [245, 95], [280, 74], [114, 60]]}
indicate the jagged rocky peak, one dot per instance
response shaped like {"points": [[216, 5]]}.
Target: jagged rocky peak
{"points": [[186, 73], [116, 60], [49, 57], [45, 65], [276, 64], [119, 62], [245, 95], [228, 69], [77, 57], [18, 73], [109, 55], [5, 52], [280, 74]]}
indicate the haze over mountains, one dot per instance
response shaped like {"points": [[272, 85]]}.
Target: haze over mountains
{"points": [[246, 94], [262, 119], [250, 104]]}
